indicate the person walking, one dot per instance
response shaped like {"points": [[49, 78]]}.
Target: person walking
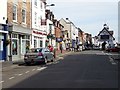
{"points": [[61, 47]]}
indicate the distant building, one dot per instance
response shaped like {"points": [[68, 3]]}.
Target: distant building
{"points": [[105, 35], [71, 30]]}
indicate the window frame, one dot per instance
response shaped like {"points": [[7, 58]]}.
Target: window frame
{"points": [[14, 9], [24, 17]]}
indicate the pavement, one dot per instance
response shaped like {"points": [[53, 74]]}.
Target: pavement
{"points": [[7, 64]]}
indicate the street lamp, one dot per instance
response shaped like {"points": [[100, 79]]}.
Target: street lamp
{"points": [[51, 5]]}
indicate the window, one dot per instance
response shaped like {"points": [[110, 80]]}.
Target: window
{"points": [[41, 43], [35, 18], [15, 12], [41, 5], [14, 47], [35, 2], [35, 43], [104, 36], [24, 1], [23, 16], [14, 36], [15, 2]]}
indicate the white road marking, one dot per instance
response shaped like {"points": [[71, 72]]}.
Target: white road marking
{"points": [[112, 61], [20, 74], [11, 78], [42, 68], [1, 81], [27, 71], [33, 69]]}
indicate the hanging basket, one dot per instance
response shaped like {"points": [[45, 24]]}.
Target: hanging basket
{"points": [[7, 42]]}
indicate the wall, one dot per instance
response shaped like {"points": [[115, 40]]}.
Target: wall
{"points": [[3, 11]]}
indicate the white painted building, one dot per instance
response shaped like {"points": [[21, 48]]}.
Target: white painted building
{"points": [[3, 11], [50, 29], [38, 24], [3, 29], [105, 35]]}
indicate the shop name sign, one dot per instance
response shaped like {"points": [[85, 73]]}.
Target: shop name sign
{"points": [[36, 32]]}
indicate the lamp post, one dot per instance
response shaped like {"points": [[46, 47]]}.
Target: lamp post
{"points": [[10, 28], [50, 5]]}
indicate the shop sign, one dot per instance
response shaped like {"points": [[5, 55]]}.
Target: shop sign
{"points": [[36, 32]]}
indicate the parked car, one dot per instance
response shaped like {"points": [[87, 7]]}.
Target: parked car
{"points": [[113, 49], [96, 47], [38, 55]]}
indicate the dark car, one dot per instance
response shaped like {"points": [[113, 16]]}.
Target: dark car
{"points": [[38, 55], [114, 49]]}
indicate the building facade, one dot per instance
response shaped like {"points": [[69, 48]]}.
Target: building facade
{"points": [[3, 30], [105, 35], [39, 33], [50, 28], [19, 27]]}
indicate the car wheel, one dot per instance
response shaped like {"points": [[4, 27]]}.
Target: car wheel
{"points": [[27, 63]]}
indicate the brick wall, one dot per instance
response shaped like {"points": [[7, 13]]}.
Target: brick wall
{"points": [[19, 13]]}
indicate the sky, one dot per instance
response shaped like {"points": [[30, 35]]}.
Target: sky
{"points": [[89, 15]]}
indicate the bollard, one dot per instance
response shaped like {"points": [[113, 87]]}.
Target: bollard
{"points": [[54, 53]]}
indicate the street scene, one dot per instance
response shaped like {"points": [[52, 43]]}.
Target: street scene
{"points": [[73, 70], [59, 44]]}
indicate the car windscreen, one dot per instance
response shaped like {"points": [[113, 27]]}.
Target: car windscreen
{"points": [[35, 50]]}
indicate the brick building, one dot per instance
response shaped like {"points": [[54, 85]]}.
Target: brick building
{"points": [[19, 21]]}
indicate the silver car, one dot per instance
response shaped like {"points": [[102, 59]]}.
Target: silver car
{"points": [[38, 55]]}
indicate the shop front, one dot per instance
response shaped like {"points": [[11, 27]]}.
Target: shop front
{"points": [[39, 39], [3, 46], [20, 38]]}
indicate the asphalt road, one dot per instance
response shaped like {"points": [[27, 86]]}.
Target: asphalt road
{"points": [[87, 69]]}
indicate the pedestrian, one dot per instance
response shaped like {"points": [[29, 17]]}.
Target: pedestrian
{"points": [[61, 47]]}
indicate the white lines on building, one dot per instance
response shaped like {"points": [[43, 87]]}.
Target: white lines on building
{"points": [[1, 81], [11, 78]]}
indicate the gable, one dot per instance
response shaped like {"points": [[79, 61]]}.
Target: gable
{"points": [[104, 32]]}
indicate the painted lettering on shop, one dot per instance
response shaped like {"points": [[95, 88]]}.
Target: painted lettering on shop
{"points": [[36, 32]]}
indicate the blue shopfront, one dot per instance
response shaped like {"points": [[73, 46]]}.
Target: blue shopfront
{"points": [[3, 47]]}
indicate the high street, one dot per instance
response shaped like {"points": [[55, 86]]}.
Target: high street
{"points": [[87, 69]]}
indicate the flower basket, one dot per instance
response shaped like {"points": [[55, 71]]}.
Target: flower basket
{"points": [[7, 42]]}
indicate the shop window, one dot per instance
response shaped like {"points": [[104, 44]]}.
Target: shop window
{"points": [[35, 43], [27, 46], [41, 43], [14, 47], [1, 45]]}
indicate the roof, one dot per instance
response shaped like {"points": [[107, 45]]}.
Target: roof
{"points": [[110, 32]]}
